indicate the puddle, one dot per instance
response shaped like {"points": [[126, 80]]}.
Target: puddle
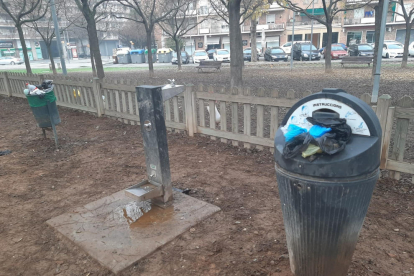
{"points": [[154, 216], [142, 214]]}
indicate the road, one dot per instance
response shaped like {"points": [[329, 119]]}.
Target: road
{"points": [[107, 61]]}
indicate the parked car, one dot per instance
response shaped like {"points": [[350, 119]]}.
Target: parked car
{"points": [[411, 49], [259, 52], [221, 55], [394, 42], [287, 47], [199, 55], [342, 45], [247, 54], [360, 50], [392, 49], [337, 51], [10, 60], [185, 58], [210, 53], [305, 51], [275, 54]]}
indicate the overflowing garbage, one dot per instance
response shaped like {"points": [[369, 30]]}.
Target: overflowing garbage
{"points": [[41, 89], [327, 135]]}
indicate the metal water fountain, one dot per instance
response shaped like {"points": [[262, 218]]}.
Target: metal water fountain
{"points": [[157, 187], [125, 227]]}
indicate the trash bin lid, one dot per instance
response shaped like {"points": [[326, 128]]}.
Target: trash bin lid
{"points": [[362, 153], [164, 50], [137, 51]]}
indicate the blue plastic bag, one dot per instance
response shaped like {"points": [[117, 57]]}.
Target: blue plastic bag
{"points": [[293, 131], [317, 131]]}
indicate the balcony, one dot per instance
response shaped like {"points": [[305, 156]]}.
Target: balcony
{"points": [[360, 2], [367, 21], [277, 27], [308, 23], [188, 13], [219, 29], [265, 27], [204, 30], [275, 7], [204, 10], [191, 13]]}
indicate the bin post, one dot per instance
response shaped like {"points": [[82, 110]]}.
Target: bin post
{"points": [[383, 105], [98, 97], [7, 84], [189, 110]]}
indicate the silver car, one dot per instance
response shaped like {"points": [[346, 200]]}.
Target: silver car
{"points": [[10, 60]]}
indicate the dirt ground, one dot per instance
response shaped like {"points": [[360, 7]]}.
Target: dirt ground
{"points": [[100, 156]]}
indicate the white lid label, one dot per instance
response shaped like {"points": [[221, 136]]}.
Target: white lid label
{"points": [[353, 119]]}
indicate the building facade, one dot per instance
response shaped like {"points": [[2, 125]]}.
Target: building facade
{"points": [[275, 27]]}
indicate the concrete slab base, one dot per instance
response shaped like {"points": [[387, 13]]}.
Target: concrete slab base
{"points": [[118, 231]]}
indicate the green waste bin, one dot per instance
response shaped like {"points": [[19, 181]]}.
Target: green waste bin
{"points": [[45, 112], [44, 109]]}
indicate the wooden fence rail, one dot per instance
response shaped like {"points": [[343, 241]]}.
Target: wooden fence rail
{"points": [[250, 116]]}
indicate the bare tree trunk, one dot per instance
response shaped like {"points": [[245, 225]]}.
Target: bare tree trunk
{"points": [[406, 43], [328, 58], [253, 28], [24, 48], [93, 65], [94, 47], [236, 45], [52, 61], [178, 49], [378, 18], [150, 64]]}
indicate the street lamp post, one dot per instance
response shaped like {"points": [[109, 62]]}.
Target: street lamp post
{"points": [[57, 33]]}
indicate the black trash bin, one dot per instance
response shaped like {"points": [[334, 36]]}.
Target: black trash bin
{"points": [[324, 201]]}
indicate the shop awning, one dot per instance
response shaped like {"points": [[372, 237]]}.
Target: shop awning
{"points": [[318, 11], [225, 39]]}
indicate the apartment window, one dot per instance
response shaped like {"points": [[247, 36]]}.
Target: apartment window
{"points": [[353, 38], [191, 6], [370, 37], [203, 10], [359, 13], [270, 18], [298, 37]]}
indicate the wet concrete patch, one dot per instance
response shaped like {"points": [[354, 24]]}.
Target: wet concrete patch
{"points": [[118, 231]]}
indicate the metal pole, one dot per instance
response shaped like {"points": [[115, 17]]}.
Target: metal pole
{"points": [[57, 34], [377, 75], [66, 39], [293, 40], [313, 13]]}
